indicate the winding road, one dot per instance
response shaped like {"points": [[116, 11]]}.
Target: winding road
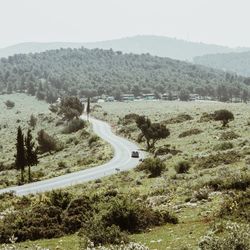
{"points": [[121, 161]]}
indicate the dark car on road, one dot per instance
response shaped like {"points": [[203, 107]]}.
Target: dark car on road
{"points": [[135, 154]]}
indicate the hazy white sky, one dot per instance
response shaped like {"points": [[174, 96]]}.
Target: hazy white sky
{"points": [[212, 21]]}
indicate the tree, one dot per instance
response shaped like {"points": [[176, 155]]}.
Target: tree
{"points": [[20, 156], [31, 153], [151, 131], [224, 116], [88, 107], [70, 108]]}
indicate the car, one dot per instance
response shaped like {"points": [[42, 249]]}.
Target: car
{"points": [[135, 154]]}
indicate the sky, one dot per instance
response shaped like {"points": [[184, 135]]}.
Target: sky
{"points": [[223, 22]]}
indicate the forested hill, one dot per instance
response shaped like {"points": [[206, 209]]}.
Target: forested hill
{"points": [[234, 62], [95, 72], [155, 45]]}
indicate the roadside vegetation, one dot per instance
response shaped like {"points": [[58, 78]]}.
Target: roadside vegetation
{"points": [[59, 142], [192, 192]]}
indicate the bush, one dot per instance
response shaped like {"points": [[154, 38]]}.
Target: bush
{"points": [[235, 237], [32, 121], [214, 160], [206, 117], [9, 104], [100, 234], [236, 207], [74, 126], [190, 132], [182, 167], [223, 146], [60, 199], [41, 222], [153, 166], [46, 142], [178, 119], [134, 217], [228, 135], [93, 139]]}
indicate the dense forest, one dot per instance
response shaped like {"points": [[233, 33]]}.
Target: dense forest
{"points": [[89, 73], [234, 62]]}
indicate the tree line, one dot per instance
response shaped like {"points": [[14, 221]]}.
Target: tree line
{"points": [[87, 73]]}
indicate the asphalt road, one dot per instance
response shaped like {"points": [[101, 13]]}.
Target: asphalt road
{"points": [[121, 161]]}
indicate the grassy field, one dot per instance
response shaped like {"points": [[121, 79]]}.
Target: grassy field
{"points": [[76, 154], [197, 197]]}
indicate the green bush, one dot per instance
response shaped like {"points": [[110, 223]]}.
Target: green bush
{"points": [[97, 233], [153, 166], [134, 217], [223, 146], [190, 132], [46, 142], [74, 126], [93, 139], [235, 237], [60, 199], [182, 167], [9, 104]]}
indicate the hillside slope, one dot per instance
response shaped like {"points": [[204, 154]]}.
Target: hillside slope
{"points": [[234, 62], [155, 45], [95, 72]]}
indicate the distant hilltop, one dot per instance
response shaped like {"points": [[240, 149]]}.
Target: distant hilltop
{"points": [[154, 45]]}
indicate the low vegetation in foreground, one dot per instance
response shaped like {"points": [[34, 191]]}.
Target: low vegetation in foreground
{"points": [[192, 192]]}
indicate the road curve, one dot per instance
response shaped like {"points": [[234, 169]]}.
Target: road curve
{"points": [[121, 161]]}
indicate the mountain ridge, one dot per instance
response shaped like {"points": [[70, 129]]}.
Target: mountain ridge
{"points": [[155, 45]]}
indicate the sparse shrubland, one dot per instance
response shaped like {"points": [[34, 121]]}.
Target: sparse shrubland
{"points": [[211, 189]]}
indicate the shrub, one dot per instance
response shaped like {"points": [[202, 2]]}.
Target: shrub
{"points": [[182, 167], [74, 126], [9, 104], [46, 142], [236, 237], [190, 132], [223, 146], [206, 117], [178, 119], [153, 166], [78, 212], [32, 121], [224, 116], [228, 135], [60, 199], [41, 222], [134, 217], [236, 206], [214, 160], [93, 139], [99, 234]]}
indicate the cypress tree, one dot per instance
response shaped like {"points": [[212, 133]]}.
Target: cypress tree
{"points": [[20, 159], [31, 153], [88, 107]]}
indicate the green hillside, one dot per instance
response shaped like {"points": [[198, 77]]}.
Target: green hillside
{"points": [[94, 72]]}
